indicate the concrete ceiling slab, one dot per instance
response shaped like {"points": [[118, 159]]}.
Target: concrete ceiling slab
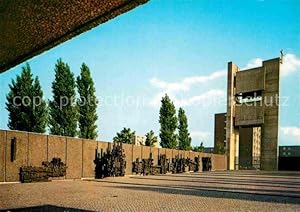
{"points": [[30, 27]]}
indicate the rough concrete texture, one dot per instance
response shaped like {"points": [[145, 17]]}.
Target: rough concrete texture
{"points": [[57, 147], [162, 151], [89, 152], [220, 130], [78, 154], [12, 168], [145, 152], [32, 27], [2, 154], [128, 150], [169, 154], [155, 154], [137, 152], [263, 113], [74, 158], [37, 150], [250, 80]]}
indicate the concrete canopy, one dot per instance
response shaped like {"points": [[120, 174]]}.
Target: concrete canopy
{"points": [[30, 27]]}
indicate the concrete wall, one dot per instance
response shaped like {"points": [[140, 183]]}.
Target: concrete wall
{"points": [[145, 152], [12, 168], [250, 80], [245, 150], [136, 152], [193, 155], [169, 154], [155, 154], [232, 136], [2, 155], [74, 158], [57, 147], [79, 154], [269, 130], [37, 150], [88, 156], [220, 130], [129, 157], [248, 115], [219, 162]]}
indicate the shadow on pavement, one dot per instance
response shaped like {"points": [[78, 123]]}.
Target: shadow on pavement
{"points": [[213, 192], [46, 208], [279, 184]]}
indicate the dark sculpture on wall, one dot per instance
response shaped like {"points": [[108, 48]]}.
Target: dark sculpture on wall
{"points": [[55, 168], [13, 149], [112, 163], [146, 167], [177, 165], [206, 161]]}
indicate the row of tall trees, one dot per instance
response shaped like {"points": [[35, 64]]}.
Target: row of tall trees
{"points": [[64, 114], [29, 111], [170, 123]]}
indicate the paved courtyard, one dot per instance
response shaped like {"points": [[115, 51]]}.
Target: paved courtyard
{"points": [[215, 191]]}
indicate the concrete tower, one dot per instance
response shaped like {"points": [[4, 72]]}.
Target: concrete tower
{"points": [[253, 101]]}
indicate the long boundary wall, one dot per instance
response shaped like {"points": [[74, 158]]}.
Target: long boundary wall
{"points": [[78, 154]]}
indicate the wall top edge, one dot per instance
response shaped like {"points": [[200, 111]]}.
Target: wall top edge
{"points": [[44, 134], [67, 137]]}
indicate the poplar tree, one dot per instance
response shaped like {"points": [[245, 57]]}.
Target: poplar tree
{"points": [[27, 110], [87, 104], [168, 123], [62, 108], [184, 139]]}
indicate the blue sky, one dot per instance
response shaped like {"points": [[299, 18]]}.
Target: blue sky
{"points": [[180, 47]]}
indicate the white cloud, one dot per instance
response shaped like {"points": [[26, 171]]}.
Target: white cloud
{"points": [[168, 86], [290, 64], [208, 98], [254, 63], [291, 132], [186, 83], [201, 79], [172, 89], [199, 135]]}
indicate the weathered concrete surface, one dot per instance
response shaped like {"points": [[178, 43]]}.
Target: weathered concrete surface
{"points": [[262, 113], [220, 130], [31, 27], [78, 154]]}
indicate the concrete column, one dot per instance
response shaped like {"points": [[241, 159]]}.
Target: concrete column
{"points": [[269, 133], [231, 133]]}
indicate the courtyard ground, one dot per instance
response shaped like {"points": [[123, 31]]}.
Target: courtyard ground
{"points": [[214, 191]]}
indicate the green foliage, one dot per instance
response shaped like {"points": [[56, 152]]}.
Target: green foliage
{"points": [[125, 136], [27, 110], [220, 149], [168, 123], [62, 109], [199, 148], [184, 139], [87, 104], [151, 140]]}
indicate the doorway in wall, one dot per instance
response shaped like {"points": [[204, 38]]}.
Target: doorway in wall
{"points": [[249, 147]]}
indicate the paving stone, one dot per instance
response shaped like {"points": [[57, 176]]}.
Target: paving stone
{"points": [[206, 191]]}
